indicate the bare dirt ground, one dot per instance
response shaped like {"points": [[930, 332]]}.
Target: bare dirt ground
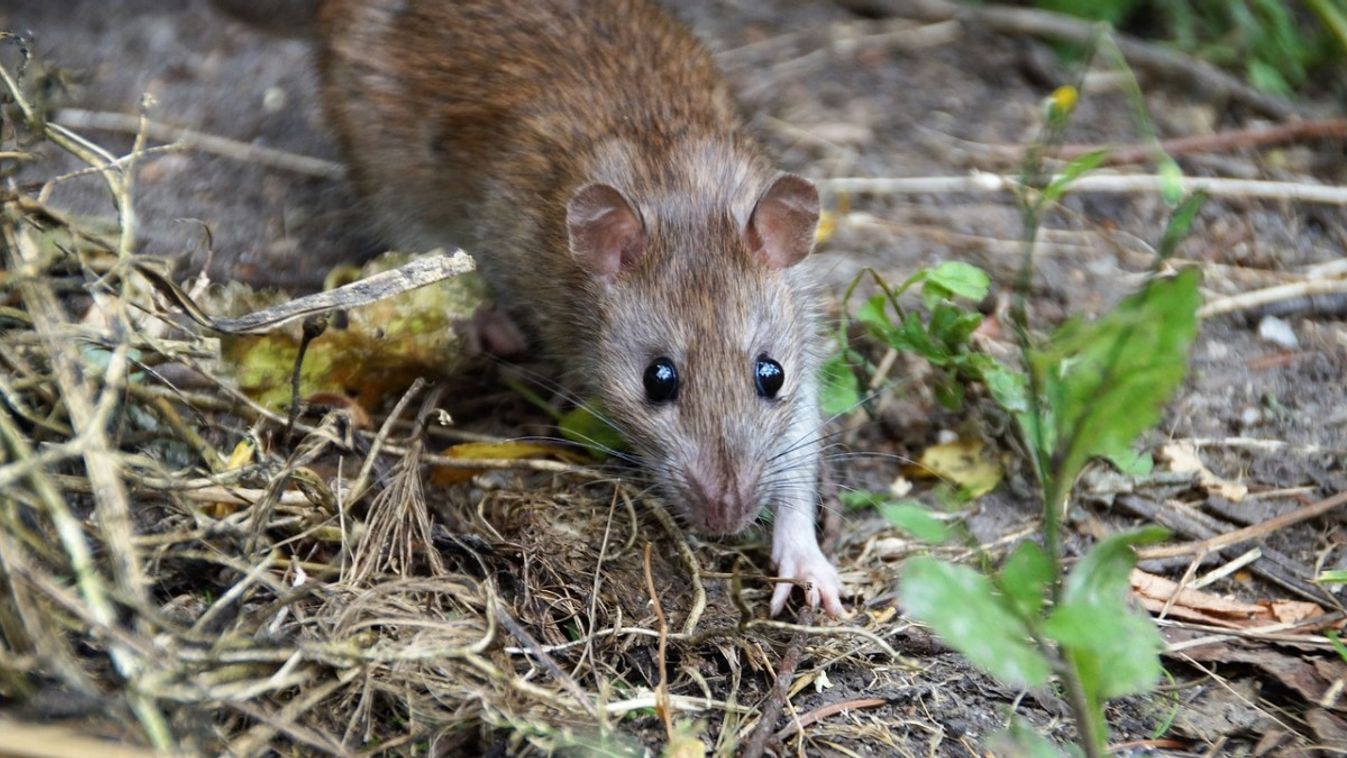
{"points": [[834, 94]]}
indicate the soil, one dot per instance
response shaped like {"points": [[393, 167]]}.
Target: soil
{"points": [[831, 101]]}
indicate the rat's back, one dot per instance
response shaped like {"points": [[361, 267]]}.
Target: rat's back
{"points": [[455, 114]]}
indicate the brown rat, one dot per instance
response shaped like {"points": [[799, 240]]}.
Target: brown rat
{"points": [[590, 156]]}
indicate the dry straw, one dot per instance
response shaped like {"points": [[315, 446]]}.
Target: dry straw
{"points": [[176, 574]]}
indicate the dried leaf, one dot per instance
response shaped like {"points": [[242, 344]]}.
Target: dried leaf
{"points": [[510, 450], [968, 463]]}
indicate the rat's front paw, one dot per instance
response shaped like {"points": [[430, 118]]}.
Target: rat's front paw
{"points": [[806, 563]]}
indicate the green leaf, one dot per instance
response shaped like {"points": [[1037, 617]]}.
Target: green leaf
{"points": [[1102, 575], [1114, 653], [875, 315], [1106, 381], [1071, 172], [1335, 576], [1024, 578], [908, 515], [1130, 462], [584, 426], [949, 393], [1171, 180], [952, 326], [1267, 78], [1115, 650], [913, 336], [860, 500], [964, 609], [913, 518], [1009, 388], [839, 389], [960, 279], [1114, 12], [1180, 221], [1336, 642]]}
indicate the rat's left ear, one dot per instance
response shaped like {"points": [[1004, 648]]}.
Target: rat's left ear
{"points": [[781, 229]]}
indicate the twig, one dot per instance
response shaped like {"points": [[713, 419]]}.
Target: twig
{"points": [[818, 714], [1199, 76], [1247, 533], [90, 419], [1281, 292], [982, 182], [833, 631], [244, 152], [419, 272], [776, 699], [689, 561], [662, 689], [598, 579], [47, 741], [314, 326], [1276, 567], [676, 702], [1231, 139], [547, 662]]}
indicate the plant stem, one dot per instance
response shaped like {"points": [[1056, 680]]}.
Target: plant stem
{"points": [[1089, 719]]}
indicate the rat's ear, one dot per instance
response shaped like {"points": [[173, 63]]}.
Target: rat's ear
{"points": [[605, 232], [781, 229]]}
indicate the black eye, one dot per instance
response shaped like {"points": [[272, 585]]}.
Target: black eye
{"points": [[768, 375], [661, 381]]}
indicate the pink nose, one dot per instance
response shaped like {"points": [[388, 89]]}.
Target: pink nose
{"points": [[719, 505]]}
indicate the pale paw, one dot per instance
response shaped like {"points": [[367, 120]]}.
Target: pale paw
{"points": [[808, 565]]}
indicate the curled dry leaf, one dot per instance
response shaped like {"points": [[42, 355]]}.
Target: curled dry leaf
{"points": [[1154, 593], [1182, 458]]}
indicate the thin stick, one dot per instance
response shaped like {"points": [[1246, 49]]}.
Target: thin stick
{"points": [[689, 560], [776, 699], [819, 714], [981, 182], [243, 152], [1232, 139], [662, 690], [1247, 533], [1250, 300], [1200, 76]]}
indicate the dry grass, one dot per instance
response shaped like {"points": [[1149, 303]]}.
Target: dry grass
{"points": [[184, 569]]}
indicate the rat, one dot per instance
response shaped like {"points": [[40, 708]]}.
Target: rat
{"points": [[590, 156]]}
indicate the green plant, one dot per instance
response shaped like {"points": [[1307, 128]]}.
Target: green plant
{"points": [[1086, 391], [1268, 41]]}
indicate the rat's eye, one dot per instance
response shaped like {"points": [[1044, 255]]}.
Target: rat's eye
{"points": [[768, 376], [661, 381]]}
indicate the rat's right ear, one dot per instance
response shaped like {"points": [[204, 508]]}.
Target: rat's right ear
{"points": [[782, 228], [605, 231]]}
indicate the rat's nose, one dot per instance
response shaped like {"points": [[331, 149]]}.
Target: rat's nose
{"points": [[720, 505]]}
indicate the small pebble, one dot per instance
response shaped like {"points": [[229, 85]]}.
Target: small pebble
{"points": [[273, 100], [1278, 332]]}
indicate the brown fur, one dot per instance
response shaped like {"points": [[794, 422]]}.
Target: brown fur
{"points": [[475, 122]]}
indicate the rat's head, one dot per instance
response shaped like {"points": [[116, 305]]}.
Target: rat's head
{"points": [[705, 354]]}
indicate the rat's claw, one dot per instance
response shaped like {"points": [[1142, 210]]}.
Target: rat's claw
{"points": [[809, 566]]}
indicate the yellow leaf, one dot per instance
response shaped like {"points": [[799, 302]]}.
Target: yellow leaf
{"points": [[509, 450], [967, 463], [1064, 98], [241, 456], [686, 742], [827, 224]]}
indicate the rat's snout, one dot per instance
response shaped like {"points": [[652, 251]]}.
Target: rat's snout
{"points": [[722, 503]]}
